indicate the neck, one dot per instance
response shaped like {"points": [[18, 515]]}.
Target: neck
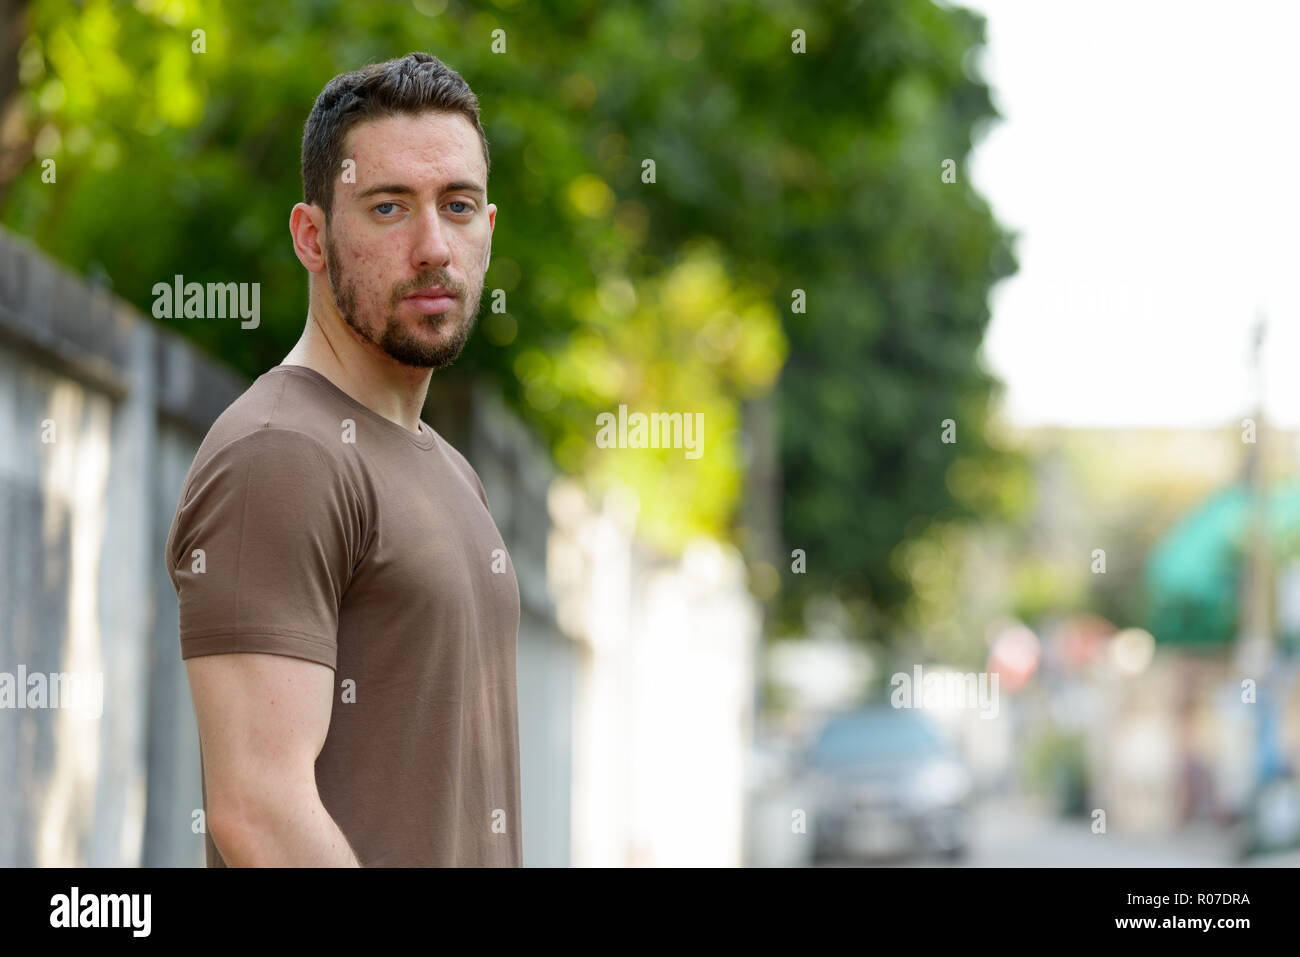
{"points": [[331, 347]]}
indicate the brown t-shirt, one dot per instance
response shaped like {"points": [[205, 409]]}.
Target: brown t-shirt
{"points": [[332, 534]]}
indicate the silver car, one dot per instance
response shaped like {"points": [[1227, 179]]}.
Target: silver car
{"points": [[886, 783]]}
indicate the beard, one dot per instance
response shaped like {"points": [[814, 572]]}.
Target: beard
{"points": [[392, 336]]}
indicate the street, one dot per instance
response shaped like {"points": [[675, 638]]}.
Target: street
{"points": [[1009, 832]]}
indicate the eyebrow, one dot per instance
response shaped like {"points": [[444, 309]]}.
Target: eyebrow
{"points": [[400, 189]]}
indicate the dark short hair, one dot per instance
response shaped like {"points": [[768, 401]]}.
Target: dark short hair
{"points": [[414, 84]]}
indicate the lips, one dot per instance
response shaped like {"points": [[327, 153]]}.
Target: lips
{"points": [[431, 292], [431, 299]]}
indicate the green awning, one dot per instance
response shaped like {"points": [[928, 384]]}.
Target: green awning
{"points": [[1194, 572]]}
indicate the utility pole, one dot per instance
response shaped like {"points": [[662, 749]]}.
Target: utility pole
{"points": [[1255, 630], [1274, 812]]}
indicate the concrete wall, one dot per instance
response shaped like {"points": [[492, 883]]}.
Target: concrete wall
{"points": [[100, 414]]}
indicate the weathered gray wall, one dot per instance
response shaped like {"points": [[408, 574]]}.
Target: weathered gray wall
{"points": [[84, 587], [100, 414]]}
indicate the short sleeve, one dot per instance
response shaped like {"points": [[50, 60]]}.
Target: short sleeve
{"points": [[262, 549]]}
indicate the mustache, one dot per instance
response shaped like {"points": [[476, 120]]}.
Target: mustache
{"points": [[425, 279]]}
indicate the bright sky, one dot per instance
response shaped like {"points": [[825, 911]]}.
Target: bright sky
{"points": [[1148, 158]]}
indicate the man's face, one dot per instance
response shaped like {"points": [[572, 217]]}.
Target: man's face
{"points": [[417, 217]]}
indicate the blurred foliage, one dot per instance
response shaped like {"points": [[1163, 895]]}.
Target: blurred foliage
{"points": [[776, 171], [1056, 766], [903, 263]]}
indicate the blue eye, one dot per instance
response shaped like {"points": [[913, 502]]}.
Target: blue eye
{"points": [[461, 202], [380, 208]]}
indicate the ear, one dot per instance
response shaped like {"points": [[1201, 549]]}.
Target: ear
{"points": [[307, 227], [492, 225]]}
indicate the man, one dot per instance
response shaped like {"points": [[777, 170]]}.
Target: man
{"points": [[348, 611]]}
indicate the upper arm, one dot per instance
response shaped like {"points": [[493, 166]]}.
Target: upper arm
{"points": [[262, 549], [262, 722]]}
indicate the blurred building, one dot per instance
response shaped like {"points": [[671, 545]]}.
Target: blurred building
{"points": [[1156, 696]]}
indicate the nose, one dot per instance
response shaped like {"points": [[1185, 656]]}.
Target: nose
{"points": [[430, 250]]}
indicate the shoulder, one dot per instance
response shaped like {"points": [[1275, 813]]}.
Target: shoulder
{"points": [[271, 483], [284, 421], [270, 449], [282, 401], [266, 468]]}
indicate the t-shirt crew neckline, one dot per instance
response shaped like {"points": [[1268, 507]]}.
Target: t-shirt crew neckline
{"points": [[424, 440]]}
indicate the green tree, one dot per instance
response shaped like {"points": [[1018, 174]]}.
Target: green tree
{"points": [[774, 170]]}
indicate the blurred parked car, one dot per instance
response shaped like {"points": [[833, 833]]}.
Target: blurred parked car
{"points": [[886, 782]]}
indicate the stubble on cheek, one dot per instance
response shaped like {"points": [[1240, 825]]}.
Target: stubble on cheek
{"points": [[345, 297], [345, 292]]}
